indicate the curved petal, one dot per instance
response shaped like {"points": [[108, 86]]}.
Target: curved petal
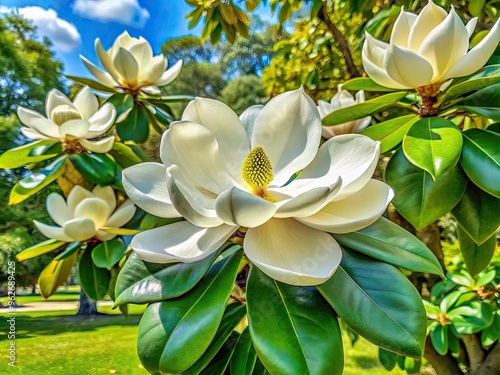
{"points": [[324, 108], [103, 77], [58, 209], [238, 207], [289, 130], [293, 253], [33, 134], [86, 103], [74, 129], [191, 203], [407, 67], [26, 115], [401, 29], [146, 185], [171, 74], [80, 229], [102, 120], [151, 90], [95, 209], [76, 195], [353, 213], [471, 26], [153, 71], [106, 60], [56, 98], [103, 236], [100, 146], [107, 194], [248, 118], [45, 127], [122, 215], [477, 56], [180, 242], [50, 231], [126, 65], [430, 16], [227, 129], [142, 52], [195, 150], [124, 40]]}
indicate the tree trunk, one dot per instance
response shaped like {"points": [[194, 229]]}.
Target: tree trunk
{"points": [[87, 306], [491, 364], [444, 365]]}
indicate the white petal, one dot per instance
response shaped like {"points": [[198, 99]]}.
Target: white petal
{"points": [[292, 253], [126, 65], [324, 108], [345, 98], [401, 29], [477, 56], [56, 98], [171, 74], [106, 60], [80, 229], [76, 195], [100, 146], [26, 115], [180, 242], [195, 150], [289, 130], [154, 70], [58, 209], [354, 212], [407, 67], [102, 120], [143, 53], [103, 236], [151, 90], [124, 40], [122, 215], [74, 129], [471, 26], [227, 129], [50, 231], [95, 209], [107, 194], [103, 77], [45, 127], [431, 16], [238, 207], [33, 134], [146, 185], [86, 103], [248, 118], [191, 203], [445, 45]]}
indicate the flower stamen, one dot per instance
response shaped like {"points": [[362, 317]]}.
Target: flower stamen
{"points": [[64, 113], [257, 172]]}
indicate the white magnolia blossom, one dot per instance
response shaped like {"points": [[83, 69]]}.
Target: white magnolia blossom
{"points": [[80, 120], [131, 66], [430, 48], [342, 99], [84, 213], [221, 172]]}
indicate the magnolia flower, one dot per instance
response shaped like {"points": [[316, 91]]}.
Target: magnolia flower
{"points": [[131, 66], [81, 217], [221, 172], [342, 99], [430, 48], [69, 121]]}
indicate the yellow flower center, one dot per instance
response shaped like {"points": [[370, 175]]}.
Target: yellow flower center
{"points": [[64, 113], [257, 172]]}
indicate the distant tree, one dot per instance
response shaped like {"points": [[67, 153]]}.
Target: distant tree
{"points": [[243, 92]]}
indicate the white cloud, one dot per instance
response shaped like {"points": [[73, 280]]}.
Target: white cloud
{"points": [[127, 12], [63, 35]]}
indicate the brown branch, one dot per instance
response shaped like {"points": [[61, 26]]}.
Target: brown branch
{"points": [[341, 41], [444, 365], [475, 351], [491, 364]]}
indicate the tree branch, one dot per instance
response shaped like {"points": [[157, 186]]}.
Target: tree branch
{"points": [[340, 39], [444, 365], [475, 351], [491, 364]]}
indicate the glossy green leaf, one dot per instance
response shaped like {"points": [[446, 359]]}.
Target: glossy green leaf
{"points": [[55, 274], [71, 249], [92, 84], [26, 154], [293, 328], [378, 302], [486, 278], [455, 298], [123, 104], [492, 332], [492, 113], [125, 155], [244, 355], [39, 249], [410, 365], [433, 144], [364, 83], [390, 133], [135, 127], [174, 334], [388, 242], [220, 363], [94, 280], [233, 315], [99, 169], [120, 231], [37, 181], [108, 253], [387, 358], [476, 257], [481, 159], [360, 110], [439, 339], [478, 213], [144, 282], [418, 198], [471, 317]]}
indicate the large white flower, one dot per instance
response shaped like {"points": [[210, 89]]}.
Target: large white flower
{"points": [[221, 172], [427, 49], [71, 122], [131, 66], [342, 99], [81, 217]]}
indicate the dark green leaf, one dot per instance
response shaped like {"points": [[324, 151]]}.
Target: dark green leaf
{"points": [[71, 249], [418, 198], [99, 169], [174, 334], [433, 144], [219, 364], [94, 280], [364, 83], [26, 154], [123, 104], [108, 253], [439, 339], [293, 329], [92, 84], [377, 301], [471, 317], [39, 249], [492, 332], [244, 355], [387, 358], [135, 127], [391, 132], [487, 97], [388, 242], [481, 159], [476, 257], [125, 155]]}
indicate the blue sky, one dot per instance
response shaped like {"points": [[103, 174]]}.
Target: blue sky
{"points": [[73, 25]]}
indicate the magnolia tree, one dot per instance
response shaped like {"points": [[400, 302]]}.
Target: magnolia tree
{"points": [[255, 240]]}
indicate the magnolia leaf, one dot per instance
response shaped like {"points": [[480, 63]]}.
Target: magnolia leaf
{"points": [[92, 84], [71, 249], [55, 274], [99, 169], [125, 154], [387, 358], [120, 231], [94, 280], [244, 356], [123, 104], [364, 83], [135, 127], [108, 253], [471, 317], [390, 133], [27, 154], [476, 257], [39, 249]]}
